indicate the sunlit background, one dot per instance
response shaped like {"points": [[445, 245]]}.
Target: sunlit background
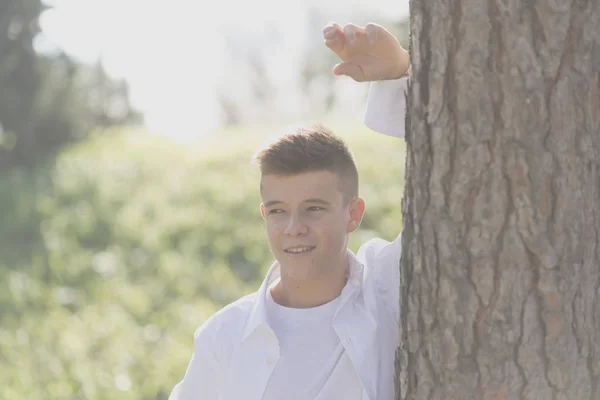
{"points": [[184, 59], [128, 204]]}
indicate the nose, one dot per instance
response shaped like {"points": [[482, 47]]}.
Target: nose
{"points": [[295, 225]]}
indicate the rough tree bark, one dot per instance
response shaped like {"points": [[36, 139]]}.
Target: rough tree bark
{"points": [[500, 281]]}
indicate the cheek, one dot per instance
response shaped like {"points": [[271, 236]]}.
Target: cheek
{"points": [[273, 228], [333, 230]]}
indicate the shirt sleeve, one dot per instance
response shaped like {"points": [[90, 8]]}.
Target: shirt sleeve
{"points": [[386, 106], [384, 257], [203, 377]]}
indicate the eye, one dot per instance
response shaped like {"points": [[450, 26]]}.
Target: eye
{"points": [[275, 211], [315, 208]]}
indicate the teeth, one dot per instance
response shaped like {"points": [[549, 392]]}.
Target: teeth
{"points": [[298, 250]]}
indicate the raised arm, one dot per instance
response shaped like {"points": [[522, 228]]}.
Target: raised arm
{"points": [[372, 54]]}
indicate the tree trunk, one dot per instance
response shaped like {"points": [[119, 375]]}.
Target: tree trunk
{"points": [[500, 276]]}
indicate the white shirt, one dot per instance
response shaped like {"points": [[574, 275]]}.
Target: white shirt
{"points": [[310, 354], [236, 350]]}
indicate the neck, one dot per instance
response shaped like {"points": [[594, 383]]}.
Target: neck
{"points": [[295, 293]]}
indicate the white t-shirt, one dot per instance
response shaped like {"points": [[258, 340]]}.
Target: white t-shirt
{"points": [[309, 365]]}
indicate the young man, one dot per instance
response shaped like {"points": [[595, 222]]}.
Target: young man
{"points": [[325, 322]]}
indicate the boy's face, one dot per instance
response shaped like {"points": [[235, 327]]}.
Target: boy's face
{"points": [[308, 222]]}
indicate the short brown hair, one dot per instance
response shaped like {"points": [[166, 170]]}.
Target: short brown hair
{"points": [[308, 149]]}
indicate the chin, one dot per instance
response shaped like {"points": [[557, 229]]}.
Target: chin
{"points": [[299, 269]]}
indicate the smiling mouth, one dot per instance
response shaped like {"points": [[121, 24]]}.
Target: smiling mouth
{"points": [[299, 250]]}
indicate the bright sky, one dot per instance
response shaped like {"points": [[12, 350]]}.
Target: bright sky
{"points": [[172, 53]]}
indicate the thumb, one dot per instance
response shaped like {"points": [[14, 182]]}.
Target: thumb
{"points": [[354, 71]]}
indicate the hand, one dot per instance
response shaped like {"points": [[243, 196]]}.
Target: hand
{"points": [[368, 53]]}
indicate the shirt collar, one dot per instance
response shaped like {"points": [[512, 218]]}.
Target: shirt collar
{"points": [[258, 315], [349, 313]]}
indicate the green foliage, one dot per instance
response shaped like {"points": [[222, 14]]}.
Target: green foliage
{"points": [[114, 254]]}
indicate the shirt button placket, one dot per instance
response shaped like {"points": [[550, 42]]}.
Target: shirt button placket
{"points": [[273, 352]]}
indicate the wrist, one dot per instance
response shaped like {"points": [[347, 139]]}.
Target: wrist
{"points": [[404, 67], [405, 73], [405, 61]]}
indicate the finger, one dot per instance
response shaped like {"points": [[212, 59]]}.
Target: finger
{"points": [[372, 31], [336, 44], [334, 37], [331, 29], [354, 71], [376, 32], [353, 32]]}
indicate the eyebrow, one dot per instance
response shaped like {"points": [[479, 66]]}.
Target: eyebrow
{"points": [[315, 200]]}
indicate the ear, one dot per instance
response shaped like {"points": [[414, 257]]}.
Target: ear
{"points": [[356, 210], [262, 211]]}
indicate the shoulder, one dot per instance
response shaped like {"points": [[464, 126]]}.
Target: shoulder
{"points": [[378, 253], [223, 327], [382, 260]]}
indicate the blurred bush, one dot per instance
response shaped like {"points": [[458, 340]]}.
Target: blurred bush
{"points": [[114, 253], [49, 100]]}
